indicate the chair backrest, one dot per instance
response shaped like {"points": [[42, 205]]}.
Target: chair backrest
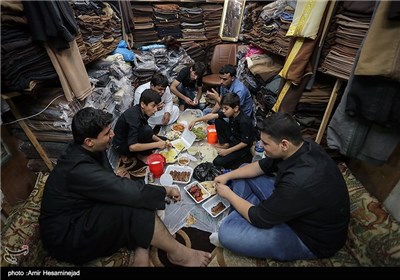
{"points": [[223, 54]]}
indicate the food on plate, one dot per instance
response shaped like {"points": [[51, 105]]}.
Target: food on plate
{"points": [[209, 186], [208, 153], [172, 135], [181, 176], [217, 208], [169, 155], [183, 160], [197, 193], [178, 145], [178, 127], [200, 133]]}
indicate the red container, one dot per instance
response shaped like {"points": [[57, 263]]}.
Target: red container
{"points": [[212, 136], [156, 164]]}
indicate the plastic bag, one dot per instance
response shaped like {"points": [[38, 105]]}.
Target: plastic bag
{"points": [[206, 171]]}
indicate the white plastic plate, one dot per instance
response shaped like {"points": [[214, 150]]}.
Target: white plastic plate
{"points": [[212, 202], [204, 193], [180, 169]]}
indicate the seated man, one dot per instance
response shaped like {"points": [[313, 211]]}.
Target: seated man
{"points": [[87, 211], [236, 138], [229, 83], [167, 112], [301, 214], [134, 136], [188, 86]]}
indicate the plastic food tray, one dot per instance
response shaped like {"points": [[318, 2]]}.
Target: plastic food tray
{"points": [[180, 169], [213, 202], [205, 193]]}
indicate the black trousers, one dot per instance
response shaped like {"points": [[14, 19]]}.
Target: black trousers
{"points": [[225, 136]]}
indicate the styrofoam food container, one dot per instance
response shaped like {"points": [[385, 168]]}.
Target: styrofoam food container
{"points": [[213, 202], [180, 169], [205, 193]]}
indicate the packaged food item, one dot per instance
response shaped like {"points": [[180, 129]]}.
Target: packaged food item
{"points": [[150, 177]]}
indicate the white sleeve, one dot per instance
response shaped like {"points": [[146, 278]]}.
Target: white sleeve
{"points": [[168, 100], [138, 92]]}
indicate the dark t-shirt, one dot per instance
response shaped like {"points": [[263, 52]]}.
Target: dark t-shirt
{"points": [[184, 78], [128, 127], [310, 196], [241, 129]]}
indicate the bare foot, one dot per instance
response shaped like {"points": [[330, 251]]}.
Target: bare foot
{"points": [[190, 257], [126, 159]]}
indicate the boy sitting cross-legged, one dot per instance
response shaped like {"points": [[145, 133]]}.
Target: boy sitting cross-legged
{"points": [[236, 137]]}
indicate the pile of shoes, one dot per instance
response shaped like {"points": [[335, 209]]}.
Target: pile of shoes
{"points": [[135, 168]]}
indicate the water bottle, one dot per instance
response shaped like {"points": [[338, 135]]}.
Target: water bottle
{"points": [[259, 151]]}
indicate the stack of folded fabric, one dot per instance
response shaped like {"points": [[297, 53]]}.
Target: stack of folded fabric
{"points": [[192, 24], [166, 20], [144, 29], [343, 41]]}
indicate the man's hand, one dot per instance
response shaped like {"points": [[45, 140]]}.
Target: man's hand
{"points": [[162, 144], [223, 190], [189, 101], [191, 124], [222, 179], [160, 106], [173, 193], [213, 94], [222, 152], [166, 118]]}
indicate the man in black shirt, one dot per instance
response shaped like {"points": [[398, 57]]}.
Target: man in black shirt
{"points": [[302, 213], [236, 137], [88, 211], [134, 136], [188, 86]]}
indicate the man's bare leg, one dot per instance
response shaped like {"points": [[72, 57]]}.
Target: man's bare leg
{"points": [[142, 257], [177, 253]]}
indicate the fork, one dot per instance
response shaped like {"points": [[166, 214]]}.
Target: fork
{"points": [[179, 153]]}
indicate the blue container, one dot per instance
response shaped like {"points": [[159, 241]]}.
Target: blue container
{"points": [[259, 147]]}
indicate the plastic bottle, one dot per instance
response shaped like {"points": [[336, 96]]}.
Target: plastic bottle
{"points": [[259, 151]]}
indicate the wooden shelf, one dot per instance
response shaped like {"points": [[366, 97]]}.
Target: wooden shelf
{"points": [[8, 97]]}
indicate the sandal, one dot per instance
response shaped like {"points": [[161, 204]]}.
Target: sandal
{"points": [[141, 172], [129, 164]]}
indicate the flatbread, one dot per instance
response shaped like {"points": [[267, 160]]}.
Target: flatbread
{"points": [[209, 186], [169, 155], [190, 220]]}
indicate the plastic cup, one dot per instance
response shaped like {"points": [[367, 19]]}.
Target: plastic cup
{"points": [[157, 168], [212, 137]]}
